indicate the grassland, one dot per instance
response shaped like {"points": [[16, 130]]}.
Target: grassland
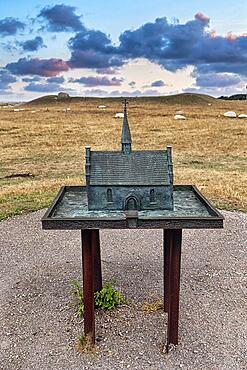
{"points": [[209, 150]]}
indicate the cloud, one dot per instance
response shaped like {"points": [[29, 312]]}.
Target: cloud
{"points": [[170, 45], [32, 79], [61, 18], [46, 87], [93, 49], [42, 67], [158, 83], [148, 92], [175, 46], [95, 92], [217, 80], [6, 79], [98, 81], [57, 80], [218, 61], [33, 44], [132, 84], [119, 93], [202, 18], [10, 26], [107, 71]]}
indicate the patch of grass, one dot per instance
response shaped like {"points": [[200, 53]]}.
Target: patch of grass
{"points": [[152, 306], [17, 204], [28, 195], [77, 293], [85, 344], [106, 299]]}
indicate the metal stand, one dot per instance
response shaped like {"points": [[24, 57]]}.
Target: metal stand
{"points": [[92, 278], [172, 259]]}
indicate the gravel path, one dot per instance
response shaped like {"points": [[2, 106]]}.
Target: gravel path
{"points": [[38, 326]]}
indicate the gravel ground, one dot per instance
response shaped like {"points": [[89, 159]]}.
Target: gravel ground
{"points": [[39, 328]]}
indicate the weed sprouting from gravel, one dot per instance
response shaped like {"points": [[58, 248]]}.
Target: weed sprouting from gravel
{"points": [[152, 306], [78, 296], [107, 298], [84, 344]]}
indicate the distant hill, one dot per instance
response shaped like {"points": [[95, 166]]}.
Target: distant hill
{"points": [[47, 99], [188, 98], [182, 99], [234, 97]]}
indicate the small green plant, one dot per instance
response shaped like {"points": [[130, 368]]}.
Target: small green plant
{"points": [[107, 298], [78, 296]]}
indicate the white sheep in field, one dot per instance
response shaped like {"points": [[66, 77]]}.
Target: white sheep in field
{"points": [[119, 115], [230, 114], [179, 116], [66, 109]]}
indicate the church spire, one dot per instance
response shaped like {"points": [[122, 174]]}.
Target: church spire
{"points": [[126, 136]]}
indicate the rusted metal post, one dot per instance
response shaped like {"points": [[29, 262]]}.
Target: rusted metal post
{"points": [[96, 260], [167, 240], [88, 285], [173, 287]]}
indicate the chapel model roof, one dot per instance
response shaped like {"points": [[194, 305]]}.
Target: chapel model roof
{"points": [[136, 168], [127, 167]]}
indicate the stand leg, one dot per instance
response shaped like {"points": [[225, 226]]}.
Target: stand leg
{"points": [[173, 287], [96, 260], [167, 240], [88, 288]]}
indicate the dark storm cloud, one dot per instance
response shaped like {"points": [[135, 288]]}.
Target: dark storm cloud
{"points": [[158, 83], [171, 45], [42, 67], [98, 81], [33, 44], [217, 80], [10, 26], [175, 46], [93, 49], [224, 67], [61, 18], [6, 79]]}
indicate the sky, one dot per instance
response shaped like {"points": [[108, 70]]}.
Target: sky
{"points": [[122, 48]]}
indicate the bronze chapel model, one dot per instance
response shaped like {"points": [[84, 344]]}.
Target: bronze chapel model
{"points": [[129, 179], [129, 189]]}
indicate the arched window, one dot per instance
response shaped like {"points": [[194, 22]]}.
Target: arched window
{"points": [[109, 195], [152, 196]]}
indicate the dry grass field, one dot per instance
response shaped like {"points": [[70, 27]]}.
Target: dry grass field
{"points": [[209, 150]]}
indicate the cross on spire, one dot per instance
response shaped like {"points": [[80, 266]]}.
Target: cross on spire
{"points": [[126, 103]]}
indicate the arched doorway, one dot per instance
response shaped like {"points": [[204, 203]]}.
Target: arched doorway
{"points": [[131, 203]]}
